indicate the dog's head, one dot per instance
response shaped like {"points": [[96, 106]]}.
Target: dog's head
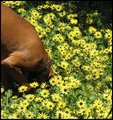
{"points": [[41, 72]]}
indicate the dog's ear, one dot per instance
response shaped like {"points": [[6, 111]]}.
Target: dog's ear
{"points": [[13, 74]]}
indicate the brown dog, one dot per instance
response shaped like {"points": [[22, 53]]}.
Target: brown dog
{"points": [[23, 57]]}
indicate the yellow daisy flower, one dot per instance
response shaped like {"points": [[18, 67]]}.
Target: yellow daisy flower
{"points": [[50, 105], [30, 97], [34, 84], [22, 88], [81, 103], [97, 103], [98, 34], [74, 21], [21, 108], [44, 93], [29, 115], [91, 29], [42, 116], [64, 64], [2, 90], [56, 97], [39, 99]]}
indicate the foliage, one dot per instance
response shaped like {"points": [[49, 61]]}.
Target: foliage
{"points": [[81, 52]]}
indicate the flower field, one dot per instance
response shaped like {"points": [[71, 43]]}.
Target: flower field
{"points": [[81, 53]]}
